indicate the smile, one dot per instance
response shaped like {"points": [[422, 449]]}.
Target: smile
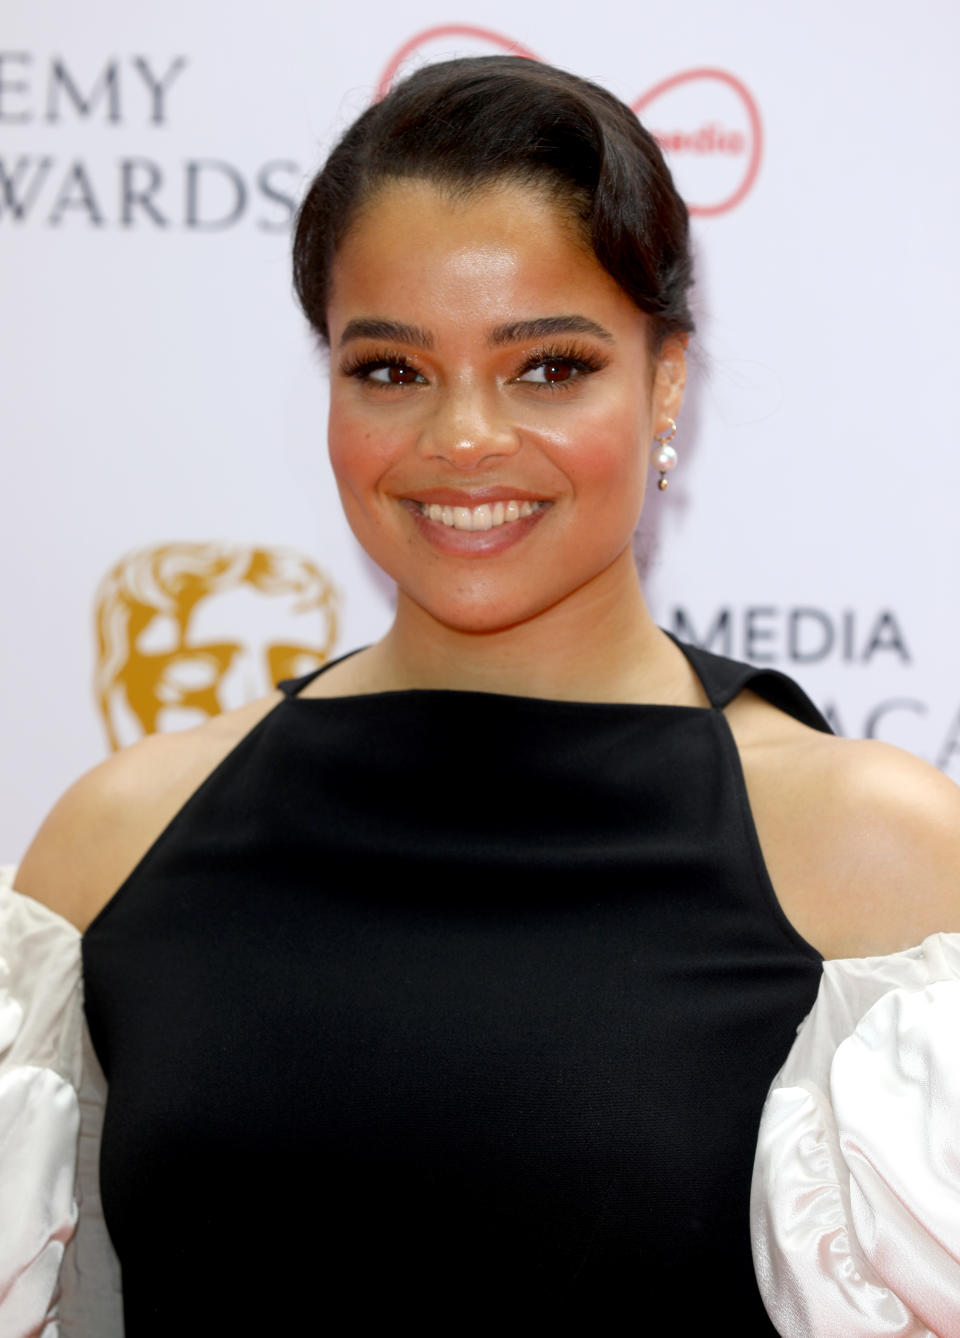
{"points": [[485, 517]]}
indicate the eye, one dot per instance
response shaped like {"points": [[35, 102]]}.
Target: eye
{"points": [[393, 374], [558, 370], [382, 370], [552, 372]]}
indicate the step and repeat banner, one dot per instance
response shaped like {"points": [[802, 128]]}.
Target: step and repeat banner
{"points": [[171, 538]]}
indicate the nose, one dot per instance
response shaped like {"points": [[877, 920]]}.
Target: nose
{"points": [[468, 425]]}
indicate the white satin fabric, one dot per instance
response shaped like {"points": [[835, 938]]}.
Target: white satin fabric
{"points": [[855, 1204], [58, 1274]]}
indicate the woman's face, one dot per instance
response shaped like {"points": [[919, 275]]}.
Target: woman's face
{"points": [[493, 402]]}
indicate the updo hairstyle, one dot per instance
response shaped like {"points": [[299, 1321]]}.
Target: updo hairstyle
{"points": [[466, 124]]}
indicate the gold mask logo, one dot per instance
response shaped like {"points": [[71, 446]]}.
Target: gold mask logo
{"points": [[187, 630]]}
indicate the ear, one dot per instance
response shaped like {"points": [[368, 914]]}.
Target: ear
{"points": [[669, 379]]}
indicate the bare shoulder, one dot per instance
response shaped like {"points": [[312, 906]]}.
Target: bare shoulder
{"points": [[861, 839], [102, 826]]}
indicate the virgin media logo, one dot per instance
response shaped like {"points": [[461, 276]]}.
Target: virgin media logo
{"points": [[708, 125], [706, 120]]}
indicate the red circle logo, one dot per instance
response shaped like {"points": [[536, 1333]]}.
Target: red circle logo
{"points": [[707, 123]]}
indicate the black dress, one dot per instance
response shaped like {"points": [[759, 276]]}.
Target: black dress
{"points": [[444, 1009]]}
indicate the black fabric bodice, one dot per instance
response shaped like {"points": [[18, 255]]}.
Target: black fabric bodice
{"points": [[438, 1008]]}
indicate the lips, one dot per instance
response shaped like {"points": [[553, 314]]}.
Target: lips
{"points": [[458, 523]]}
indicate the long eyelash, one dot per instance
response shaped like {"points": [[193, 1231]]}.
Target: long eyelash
{"points": [[579, 356], [359, 364]]}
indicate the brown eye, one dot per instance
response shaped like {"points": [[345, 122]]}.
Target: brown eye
{"points": [[401, 375], [556, 371], [394, 374]]}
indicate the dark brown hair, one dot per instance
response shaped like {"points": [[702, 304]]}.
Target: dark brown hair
{"points": [[464, 124]]}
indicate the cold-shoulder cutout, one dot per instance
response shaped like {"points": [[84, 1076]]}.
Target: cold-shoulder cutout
{"points": [[105, 822], [861, 839]]}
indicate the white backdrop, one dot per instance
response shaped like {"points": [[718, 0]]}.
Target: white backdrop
{"points": [[159, 385]]}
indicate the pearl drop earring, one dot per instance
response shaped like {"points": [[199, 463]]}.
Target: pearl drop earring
{"points": [[665, 457]]}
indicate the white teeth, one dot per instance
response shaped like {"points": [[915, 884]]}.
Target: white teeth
{"points": [[484, 517]]}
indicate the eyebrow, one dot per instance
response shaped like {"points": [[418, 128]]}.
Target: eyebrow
{"points": [[515, 332], [367, 328]]}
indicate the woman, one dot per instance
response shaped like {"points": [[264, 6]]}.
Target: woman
{"points": [[445, 988]]}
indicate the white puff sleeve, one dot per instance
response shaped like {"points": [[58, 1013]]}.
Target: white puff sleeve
{"points": [[58, 1275], [855, 1206]]}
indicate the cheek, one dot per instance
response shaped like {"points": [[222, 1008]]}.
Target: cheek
{"points": [[358, 453], [600, 451]]}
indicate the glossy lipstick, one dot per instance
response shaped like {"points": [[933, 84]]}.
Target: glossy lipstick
{"points": [[481, 522]]}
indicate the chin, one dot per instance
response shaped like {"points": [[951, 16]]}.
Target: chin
{"points": [[478, 621], [482, 614]]}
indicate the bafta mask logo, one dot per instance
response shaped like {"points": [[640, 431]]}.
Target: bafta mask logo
{"points": [[186, 630]]}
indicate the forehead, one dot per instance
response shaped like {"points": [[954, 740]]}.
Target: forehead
{"points": [[420, 253]]}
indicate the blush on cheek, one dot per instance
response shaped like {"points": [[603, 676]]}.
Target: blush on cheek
{"points": [[603, 457]]}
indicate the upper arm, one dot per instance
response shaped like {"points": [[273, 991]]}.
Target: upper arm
{"points": [[897, 837]]}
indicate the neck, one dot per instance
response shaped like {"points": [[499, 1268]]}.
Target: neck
{"points": [[599, 644]]}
